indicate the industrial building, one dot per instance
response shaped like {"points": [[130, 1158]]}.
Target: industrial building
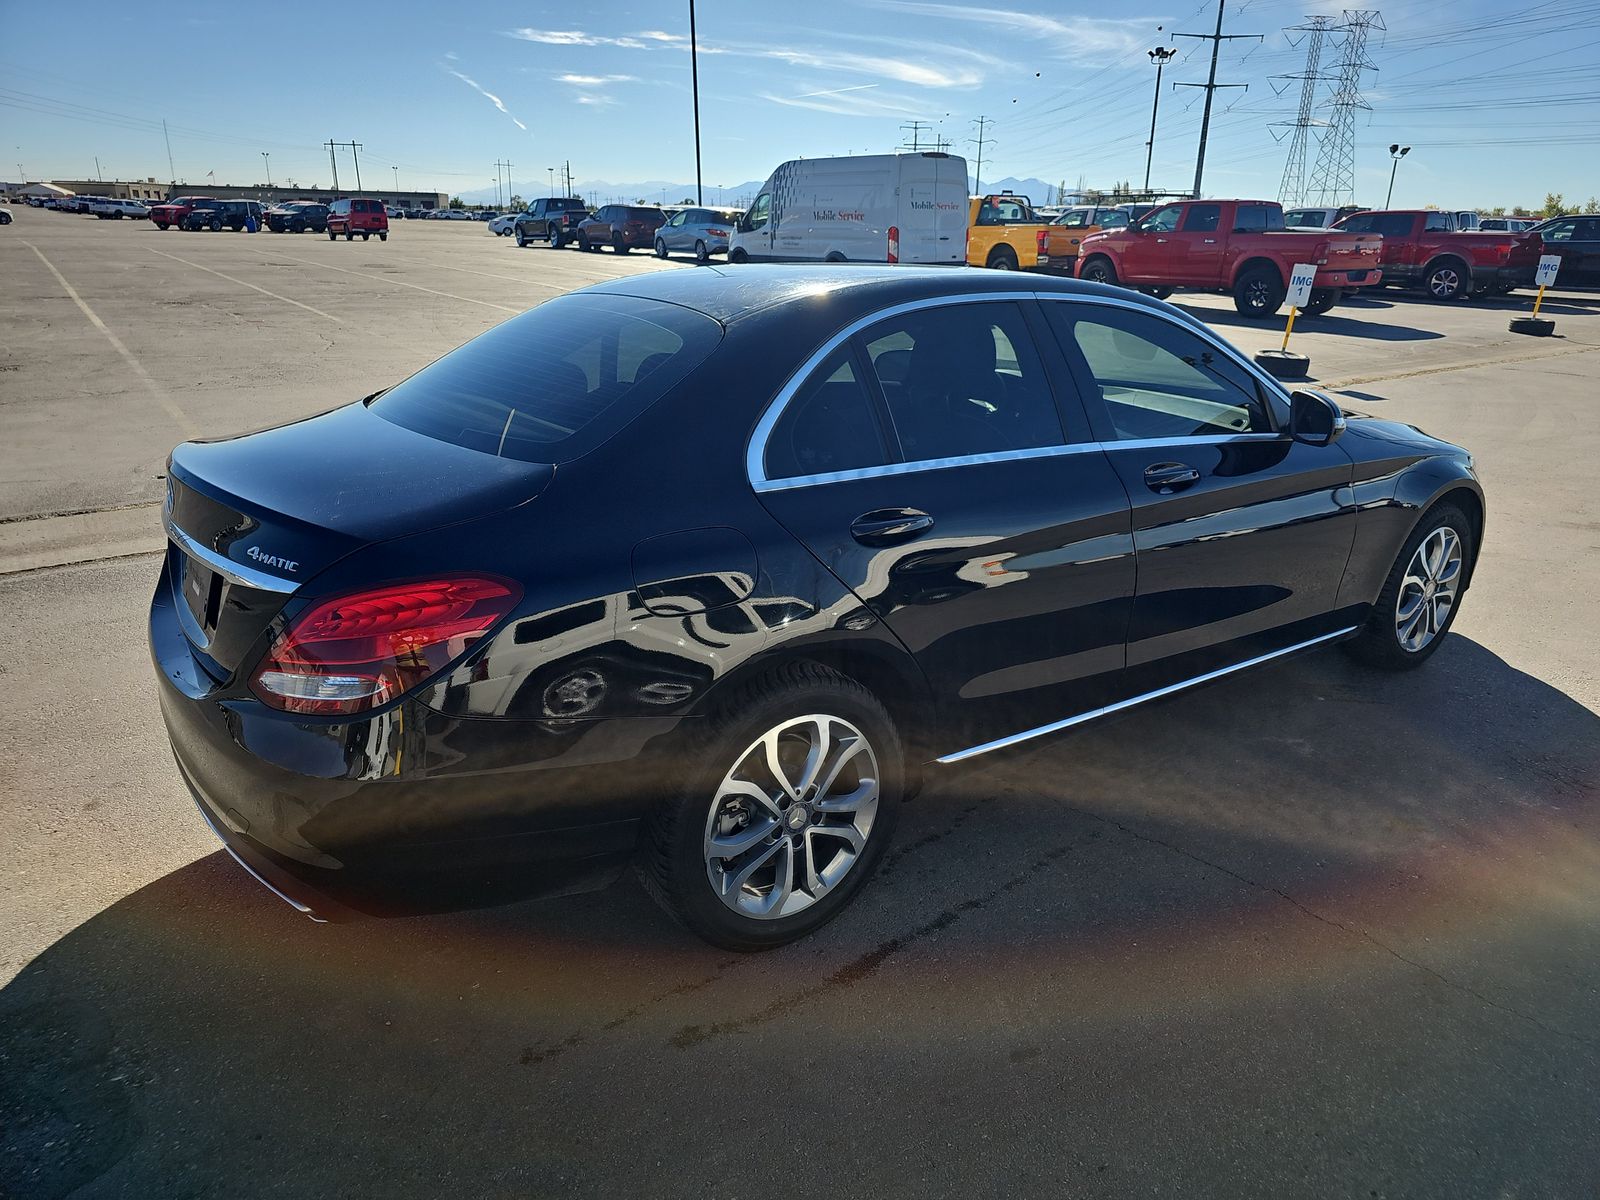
{"points": [[148, 191]]}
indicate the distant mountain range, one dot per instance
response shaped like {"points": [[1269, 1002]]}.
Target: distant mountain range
{"points": [[662, 191]]}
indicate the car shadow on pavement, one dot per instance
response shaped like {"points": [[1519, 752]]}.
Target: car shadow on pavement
{"points": [[1516, 303], [1272, 327], [1368, 894]]}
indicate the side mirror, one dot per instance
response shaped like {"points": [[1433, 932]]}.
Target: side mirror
{"points": [[1314, 418]]}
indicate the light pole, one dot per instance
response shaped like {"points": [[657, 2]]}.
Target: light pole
{"points": [[551, 171], [1161, 56], [1396, 152], [396, 171], [266, 158], [694, 80]]}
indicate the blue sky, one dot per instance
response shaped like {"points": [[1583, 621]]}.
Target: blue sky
{"points": [[1501, 103]]}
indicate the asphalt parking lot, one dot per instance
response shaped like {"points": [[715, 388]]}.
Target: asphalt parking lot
{"points": [[1311, 932]]}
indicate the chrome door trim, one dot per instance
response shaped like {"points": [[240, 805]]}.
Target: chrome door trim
{"points": [[231, 571], [1107, 710], [755, 452]]}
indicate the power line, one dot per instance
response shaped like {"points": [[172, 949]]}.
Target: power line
{"points": [[1211, 85], [1291, 189], [1333, 179]]}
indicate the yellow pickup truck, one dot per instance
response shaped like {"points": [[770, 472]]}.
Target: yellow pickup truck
{"points": [[1004, 233]]}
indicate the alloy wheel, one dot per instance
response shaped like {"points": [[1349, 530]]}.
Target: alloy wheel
{"points": [[1429, 589], [792, 817], [1444, 283]]}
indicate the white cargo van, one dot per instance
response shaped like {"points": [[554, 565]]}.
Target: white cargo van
{"points": [[909, 208]]}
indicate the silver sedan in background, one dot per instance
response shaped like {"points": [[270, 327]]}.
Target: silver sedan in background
{"points": [[698, 231]]}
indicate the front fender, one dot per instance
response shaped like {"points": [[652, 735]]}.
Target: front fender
{"points": [[1390, 502]]}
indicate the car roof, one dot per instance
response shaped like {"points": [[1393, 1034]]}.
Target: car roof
{"points": [[728, 292]]}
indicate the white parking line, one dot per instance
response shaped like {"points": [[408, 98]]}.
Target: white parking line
{"points": [[242, 283], [156, 391], [311, 262]]}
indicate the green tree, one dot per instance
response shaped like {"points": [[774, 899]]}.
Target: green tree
{"points": [[455, 202], [1593, 206], [1554, 204], [517, 202]]}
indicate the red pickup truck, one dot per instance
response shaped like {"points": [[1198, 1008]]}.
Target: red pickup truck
{"points": [[1423, 249], [174, 211], [1238, 246]]}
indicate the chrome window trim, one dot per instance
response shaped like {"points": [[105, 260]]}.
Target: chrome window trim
{"points": [[755, 453], [231, 571], [1132, 701]]}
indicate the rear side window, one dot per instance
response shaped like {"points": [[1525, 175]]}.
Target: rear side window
{"points": [[963, 380], [1439, 222], [552, 384], [1257, 218], [1202, 218], [828, 425], [1395, 225]]}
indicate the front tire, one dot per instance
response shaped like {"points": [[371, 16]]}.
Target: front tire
{"points": [[786, 812], [522, 238], [1099, 270], [1422, 594]]}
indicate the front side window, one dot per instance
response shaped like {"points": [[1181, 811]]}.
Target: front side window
{"points": [[1157, 380], [961, 380], [828, 425], [1163, 220], [1075, 219], [550, 384], [758, 212]]}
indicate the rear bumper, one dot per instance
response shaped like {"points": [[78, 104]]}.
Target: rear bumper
{"points": [[1510, 273], [412, 810], [1345, 280]]}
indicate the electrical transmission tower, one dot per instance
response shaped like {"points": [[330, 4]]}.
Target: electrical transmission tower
{"points": [[1211, 85], [983, 124], [1292, 190], [1333, 179], [915, 131]]}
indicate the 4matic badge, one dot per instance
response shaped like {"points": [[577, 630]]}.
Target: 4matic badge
{"points": [[272, 560]]}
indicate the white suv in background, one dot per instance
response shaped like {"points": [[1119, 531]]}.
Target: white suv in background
{"points": [[108, 209]]}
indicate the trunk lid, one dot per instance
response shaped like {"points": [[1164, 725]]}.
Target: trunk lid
{"points": [[250, 519]]}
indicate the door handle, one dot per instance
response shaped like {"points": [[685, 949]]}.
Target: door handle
{"points": [[1211, 241], [1169, 477], [887, 526], [1161, 241]]}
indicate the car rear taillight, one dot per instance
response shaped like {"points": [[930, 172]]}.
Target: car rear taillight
{"points": [[717, 233], [894, 243], [361, 650], [1043, 240]]}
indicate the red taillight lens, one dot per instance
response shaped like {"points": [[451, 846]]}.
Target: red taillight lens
{"points": [[716, 233], [1043, 240], [894, 243], [362, 649]]}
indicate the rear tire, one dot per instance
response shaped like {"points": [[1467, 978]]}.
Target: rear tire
{"points": [[701, 254], [1099, 269], [661, 249], [1001, 258], [556, 238], [1258, 293], [1448, 279], [1322, 299], [332, 236], [802, 707], [349, 235], [383, 235], [1160, 293], [618, 246], [1408, 605], [216, 224]]}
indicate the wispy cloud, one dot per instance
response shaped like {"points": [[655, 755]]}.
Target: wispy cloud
{"points": [[848, 102], [594, 80], [487, 95], [1071, 38], [574, 37], [860, 87], [956, 68]]}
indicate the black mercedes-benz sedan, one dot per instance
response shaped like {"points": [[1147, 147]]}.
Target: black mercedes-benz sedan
{"points": [[708, 570]]}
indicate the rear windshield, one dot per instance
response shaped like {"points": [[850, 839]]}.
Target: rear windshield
{"points": [[552, 384], [368, 206], [564, 205]]}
